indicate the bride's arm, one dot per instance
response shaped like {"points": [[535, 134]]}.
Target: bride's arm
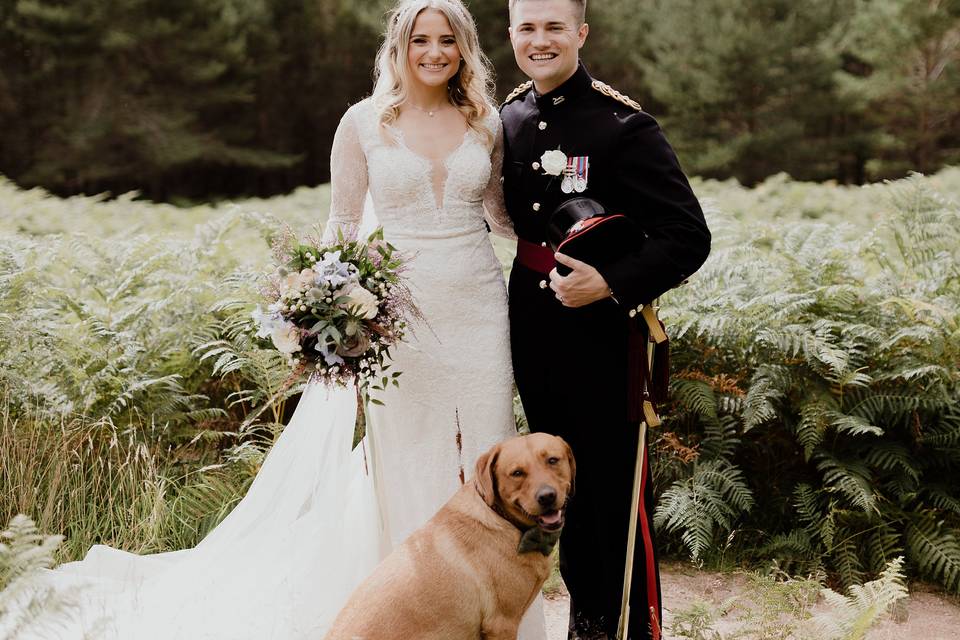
{"points": [[348, 180], [495, 209]]}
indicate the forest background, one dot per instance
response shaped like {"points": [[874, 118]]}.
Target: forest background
{"points": [[814, 413], [200, 99]]}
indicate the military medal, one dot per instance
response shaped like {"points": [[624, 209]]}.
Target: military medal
{"points": [[569, 182], [582, 171]]}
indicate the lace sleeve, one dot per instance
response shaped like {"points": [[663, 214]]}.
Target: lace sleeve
{"points": [[348, 179], [495, 208]]}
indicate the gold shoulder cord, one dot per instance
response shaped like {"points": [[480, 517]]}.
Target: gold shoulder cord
{"points": [[610, 92], [518, 91]]}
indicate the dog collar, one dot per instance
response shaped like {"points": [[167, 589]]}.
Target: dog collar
{"points": [[536, 539], [533, 538]]}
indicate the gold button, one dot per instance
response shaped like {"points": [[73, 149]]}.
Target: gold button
{"points": [[535, 165], [543, 284], [633, 313], [543, 244], [542, 125], [536, 206]]}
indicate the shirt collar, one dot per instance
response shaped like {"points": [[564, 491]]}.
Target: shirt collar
{"points": [[572, 87]]}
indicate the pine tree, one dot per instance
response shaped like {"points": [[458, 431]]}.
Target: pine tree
{"points": [[747, 85], [140, 89], [902, 70]]}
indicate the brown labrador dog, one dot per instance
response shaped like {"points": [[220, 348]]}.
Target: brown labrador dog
{"points": [[462, 576]]}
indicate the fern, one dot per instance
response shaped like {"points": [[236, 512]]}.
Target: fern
{"points": [[849, 479], [27, 606], [767, 390], [934, 549], [853, 615], [845, 557], [703, 505], [851, 417]]}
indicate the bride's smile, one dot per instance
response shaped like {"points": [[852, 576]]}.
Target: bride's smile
{"points": [[433, 55]]}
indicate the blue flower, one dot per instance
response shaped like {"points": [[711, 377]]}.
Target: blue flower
{"points": [[329, 352], [333, 271], [266, 322]]}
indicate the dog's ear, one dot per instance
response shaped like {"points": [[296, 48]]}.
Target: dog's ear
{"points": [[486, 476], [573, 467]]}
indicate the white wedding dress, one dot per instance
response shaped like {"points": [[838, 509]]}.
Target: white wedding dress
{"points": [[319, 517]]}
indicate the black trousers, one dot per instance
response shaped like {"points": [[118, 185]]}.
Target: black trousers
{"points": [[571, 372]]}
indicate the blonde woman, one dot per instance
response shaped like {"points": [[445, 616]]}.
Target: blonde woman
{"points": [[427, 148]]}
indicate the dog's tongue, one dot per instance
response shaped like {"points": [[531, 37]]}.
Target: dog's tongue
{"points": [[552, 518]]}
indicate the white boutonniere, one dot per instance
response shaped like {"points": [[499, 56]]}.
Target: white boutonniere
{"points": [[553, 162]]}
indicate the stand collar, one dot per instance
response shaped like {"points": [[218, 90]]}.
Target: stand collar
{"points": [[573, 87]]}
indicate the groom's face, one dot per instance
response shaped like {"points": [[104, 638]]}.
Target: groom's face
{"points": [[546, 37]]}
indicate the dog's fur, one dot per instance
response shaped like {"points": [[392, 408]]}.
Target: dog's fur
{"points": [[460, 576]]}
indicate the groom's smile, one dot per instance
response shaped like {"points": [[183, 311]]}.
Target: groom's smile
{"points": [[546, 36]]}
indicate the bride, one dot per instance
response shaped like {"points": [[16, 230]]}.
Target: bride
{"points": [[427, 148]]}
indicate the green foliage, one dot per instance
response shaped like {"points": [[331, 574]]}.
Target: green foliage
{"points": [[126, 372], [731, 77], [852, 616], [26, 605], [829, 355], [818, 89], [192, 100], [143, 88], [705, 504], [179, 99], [24, 550], [697, 621], [777, 606], [933, 544], [814, 413]]}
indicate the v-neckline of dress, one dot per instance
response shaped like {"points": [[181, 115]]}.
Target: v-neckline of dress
{"points": [[402, 138], [432, 165]]}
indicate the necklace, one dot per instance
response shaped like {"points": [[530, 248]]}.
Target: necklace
{"points": [[429, 112]]}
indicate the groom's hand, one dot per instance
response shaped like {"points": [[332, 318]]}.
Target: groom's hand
{"points": [[581, 286]]}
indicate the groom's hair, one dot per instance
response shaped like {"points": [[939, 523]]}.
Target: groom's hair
{"points": [[579, 5]]}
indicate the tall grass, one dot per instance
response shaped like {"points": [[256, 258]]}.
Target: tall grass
{"points": [[99, 484]]}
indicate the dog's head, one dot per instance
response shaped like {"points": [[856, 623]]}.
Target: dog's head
{"points": [[529, 478]]}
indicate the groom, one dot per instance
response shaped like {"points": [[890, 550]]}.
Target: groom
{"points": [[570, 334]]}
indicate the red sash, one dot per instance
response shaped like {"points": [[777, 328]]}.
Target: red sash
{"points": [[535, 257]]}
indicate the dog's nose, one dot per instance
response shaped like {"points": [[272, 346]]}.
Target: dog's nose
{"points": [[547, 496]]}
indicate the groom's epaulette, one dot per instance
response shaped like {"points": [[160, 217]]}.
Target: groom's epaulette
{"points": [[516, 93], [610, 92]]}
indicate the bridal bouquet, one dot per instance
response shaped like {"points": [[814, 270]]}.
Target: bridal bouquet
{"points": [[336, 308]]}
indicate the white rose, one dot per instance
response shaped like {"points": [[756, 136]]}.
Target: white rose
{"points": [[286, 338], [360, 297], [553, 162]]}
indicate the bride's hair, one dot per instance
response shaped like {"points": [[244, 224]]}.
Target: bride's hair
{"points": [[470, 90]]}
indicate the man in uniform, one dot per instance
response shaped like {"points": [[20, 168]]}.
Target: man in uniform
{"points": [[570, 334]]}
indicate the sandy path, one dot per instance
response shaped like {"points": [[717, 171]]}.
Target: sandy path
{"points": [[928, 615]]}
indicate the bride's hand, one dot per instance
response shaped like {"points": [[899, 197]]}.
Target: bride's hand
{"points": [[582, 286]]}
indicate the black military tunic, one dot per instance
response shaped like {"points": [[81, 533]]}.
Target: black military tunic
{"points": [[571, 364]]}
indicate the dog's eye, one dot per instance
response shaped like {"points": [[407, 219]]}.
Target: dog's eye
{"points": [[553, 460], [518, 473]]}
